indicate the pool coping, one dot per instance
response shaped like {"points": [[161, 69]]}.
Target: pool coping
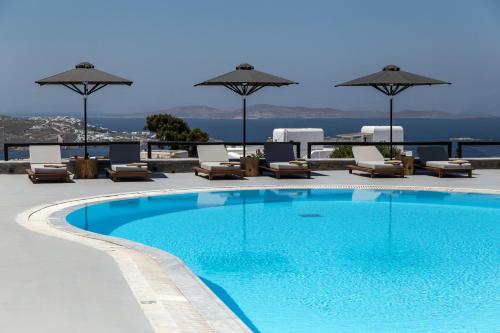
{"points": [[171, 296]]}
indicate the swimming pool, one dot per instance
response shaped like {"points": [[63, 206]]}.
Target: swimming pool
{"points": [[321, 260]]}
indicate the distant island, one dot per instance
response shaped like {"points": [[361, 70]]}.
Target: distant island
{"points": [[268, 111]]}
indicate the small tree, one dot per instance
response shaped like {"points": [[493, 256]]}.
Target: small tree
{"points": [[170, 128]]}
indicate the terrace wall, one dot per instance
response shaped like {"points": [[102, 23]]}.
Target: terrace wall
{"points": [[186, 164]]}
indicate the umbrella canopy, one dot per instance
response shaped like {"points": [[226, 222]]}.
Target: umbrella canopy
{"points": [[391, 80], [84, 79], [244, 81]]}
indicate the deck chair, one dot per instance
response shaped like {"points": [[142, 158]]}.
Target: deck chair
{"points": [[214, 161], [46, 164], [435, 159], [280, 160], [369, 159], [125, 160]]}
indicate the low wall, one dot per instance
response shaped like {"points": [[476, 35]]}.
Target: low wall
{"points": [[186, 164]]}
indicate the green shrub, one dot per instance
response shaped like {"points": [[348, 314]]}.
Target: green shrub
{"points": [[342, 152], [346, 151]]}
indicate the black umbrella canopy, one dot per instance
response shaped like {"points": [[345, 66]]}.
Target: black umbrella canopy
{"points": [[391, 80], [84, 73], [84, 79], [244, 81]]}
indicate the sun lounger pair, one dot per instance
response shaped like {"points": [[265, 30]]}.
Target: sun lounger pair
{"points": [[46, 163], [280, 160], [435, 159], [369, 159]]}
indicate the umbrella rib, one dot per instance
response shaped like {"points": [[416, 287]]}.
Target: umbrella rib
{"points": [[96, 87], [73, 87], [402, 88], [383, 91], [255, 89], [234, 88]]}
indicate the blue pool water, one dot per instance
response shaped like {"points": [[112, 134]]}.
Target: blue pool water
{"points": [[328, 260]]}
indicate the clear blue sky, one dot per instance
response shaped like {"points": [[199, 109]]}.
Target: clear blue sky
{"points": [[167, 46]]}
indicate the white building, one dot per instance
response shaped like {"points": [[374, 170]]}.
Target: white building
{"points": [[302, 135]]}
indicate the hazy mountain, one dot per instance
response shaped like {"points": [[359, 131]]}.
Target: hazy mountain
{"points": [[267, 111]]}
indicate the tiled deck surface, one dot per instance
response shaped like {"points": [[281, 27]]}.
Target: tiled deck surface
{"points": [[53, 285]]}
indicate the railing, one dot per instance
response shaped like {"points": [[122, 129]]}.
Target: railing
{"points": [[448, 144], [7, 146], [230, 143], [461, 144], [150, 145]]}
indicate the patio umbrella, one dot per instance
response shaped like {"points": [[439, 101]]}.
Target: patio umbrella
{"points": [[84, 79], [244, 81], [391, 81]]}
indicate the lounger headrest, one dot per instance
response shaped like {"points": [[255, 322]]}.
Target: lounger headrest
{"points": [[124, 153], [367, 153], [432, 153], [279, 152], [212, 153], [45, 154]]}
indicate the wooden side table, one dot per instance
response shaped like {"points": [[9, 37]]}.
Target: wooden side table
{"points": [[250, 165], [408, 164], [86, 169]]}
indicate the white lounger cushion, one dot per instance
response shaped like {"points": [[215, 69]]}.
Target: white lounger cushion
{"points": [[41, 168], [212, 153], [377, 165], [128, 168], [449, 166], [287, 166], [217, 166]]}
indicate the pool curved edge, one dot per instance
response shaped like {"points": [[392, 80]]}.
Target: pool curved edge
{"points": [[155, 275]]}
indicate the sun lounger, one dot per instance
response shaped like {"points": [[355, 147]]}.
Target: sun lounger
{"points": [[46, 164], [125, 160], [280, 160], [369, 159], [214, 161], [435, 159]]}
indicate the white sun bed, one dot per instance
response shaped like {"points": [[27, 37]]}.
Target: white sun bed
{"points": [[369, 159], [435, 158], [46, 164], [214, 161]]}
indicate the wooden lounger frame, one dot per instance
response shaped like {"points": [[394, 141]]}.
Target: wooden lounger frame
{"points": [[443, 171], [281, 172], [117, 175], [41, 176], [373, 171], [211, 173]]}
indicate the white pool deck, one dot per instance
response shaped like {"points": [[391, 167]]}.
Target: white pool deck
{"points": [[51, 284]]}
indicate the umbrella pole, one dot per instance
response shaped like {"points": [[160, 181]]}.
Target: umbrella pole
{"points": [[390, 134], [85, 119], [244, 125]]}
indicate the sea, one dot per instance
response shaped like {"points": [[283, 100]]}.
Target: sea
{"points": [[414, 129], [262, 129]]}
